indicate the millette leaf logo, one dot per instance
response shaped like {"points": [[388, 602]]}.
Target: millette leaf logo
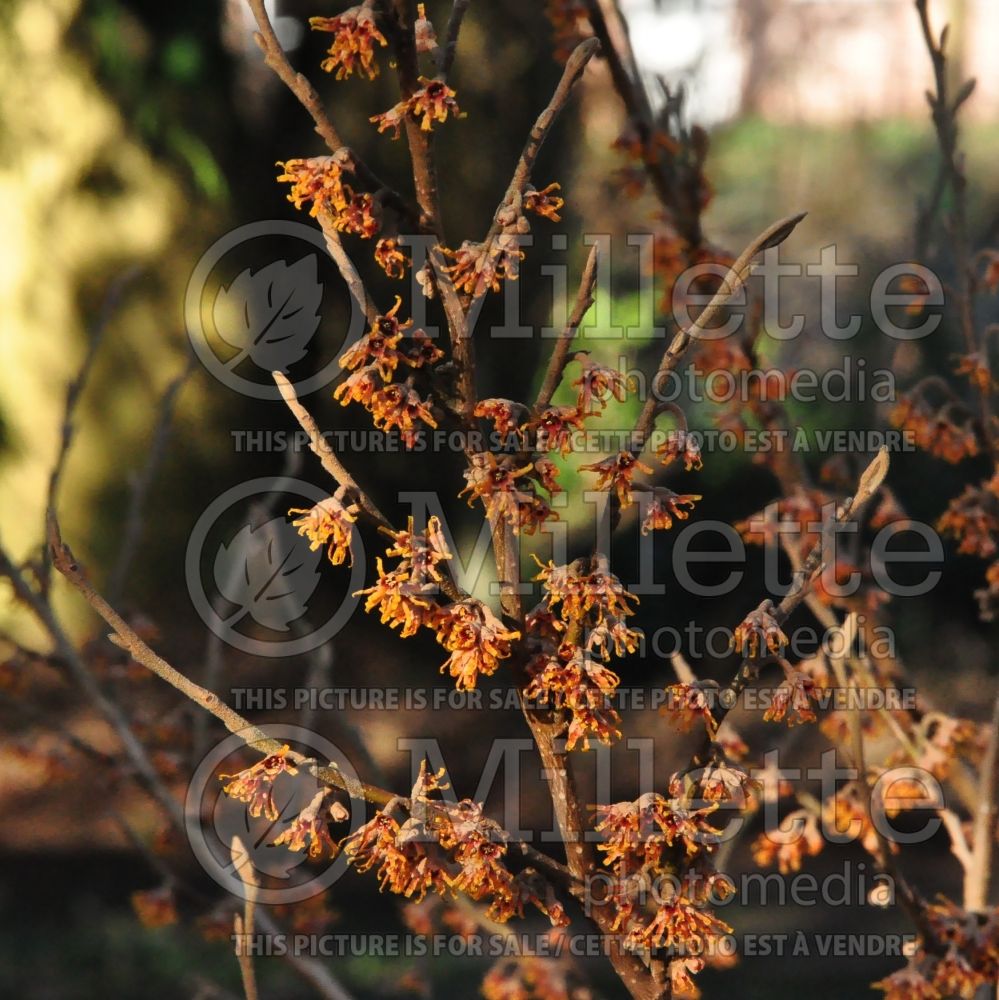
{"points": [[255, 838], [269, 573], [270, 315]]}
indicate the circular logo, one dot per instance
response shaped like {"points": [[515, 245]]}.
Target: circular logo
{"points": [[214, 820], [265, 318], [253, 578]]}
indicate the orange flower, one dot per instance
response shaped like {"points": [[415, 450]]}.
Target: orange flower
{"points": [[478, 268], [937, 431], [616, 472], [155, 907], [759, 629], [806, 509], [400, 601], [390, 258], [976, 367], [571, 680], [422, 552], [379, 347], [973, 519], [664, 506], [548, 473], [686, 703], [792, 696], [504, 494], [359, 215], [404, 865], [681, 924], [317, 179], [475, 638], [254, 784], [505, 414], [404, 595], [681, 444], [788, 845], [353, 48], [422, 350], [907, 984], [434, 101], [359, 387], [544, 202], [328, 523], [580, 590], [555, 428], [918, 292], [395, 406], [597, 382], [310, 829], [636, 834]]}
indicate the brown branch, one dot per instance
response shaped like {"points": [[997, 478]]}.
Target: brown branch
{"points": [[737, 276], [734, 280], [576, 63], [132, 532], [944, 110], [611, 29], [345, 266], [911, 901], [255, 738], [276, 58], [145, 772], [332, 464], [243, 924], [983, 824], [560, 352], [214, 654], [448, 50], [420, 142], [326, 455], [804, 579], [73, 392]]}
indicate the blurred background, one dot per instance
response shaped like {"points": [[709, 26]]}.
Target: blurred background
{"points": [[134, 135]]}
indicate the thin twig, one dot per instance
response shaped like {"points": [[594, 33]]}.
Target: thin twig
{"points": [[126, 638], [804, 580], [983, 823], [420, 141], [243, 924], [611, 29], [560, 352], [576, 63], [145, 771], [450, 47], [276, 58], [74, 391], [134, 518], [326, 455], [214, 656]]}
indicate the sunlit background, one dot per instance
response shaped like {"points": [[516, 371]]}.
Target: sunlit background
{"points": [[134, 135]]}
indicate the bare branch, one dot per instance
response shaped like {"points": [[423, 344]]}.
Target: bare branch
{"points": [[983, 823], [75, 389], [560, 352], [132, 532], [321, 449], [450, 47]]}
